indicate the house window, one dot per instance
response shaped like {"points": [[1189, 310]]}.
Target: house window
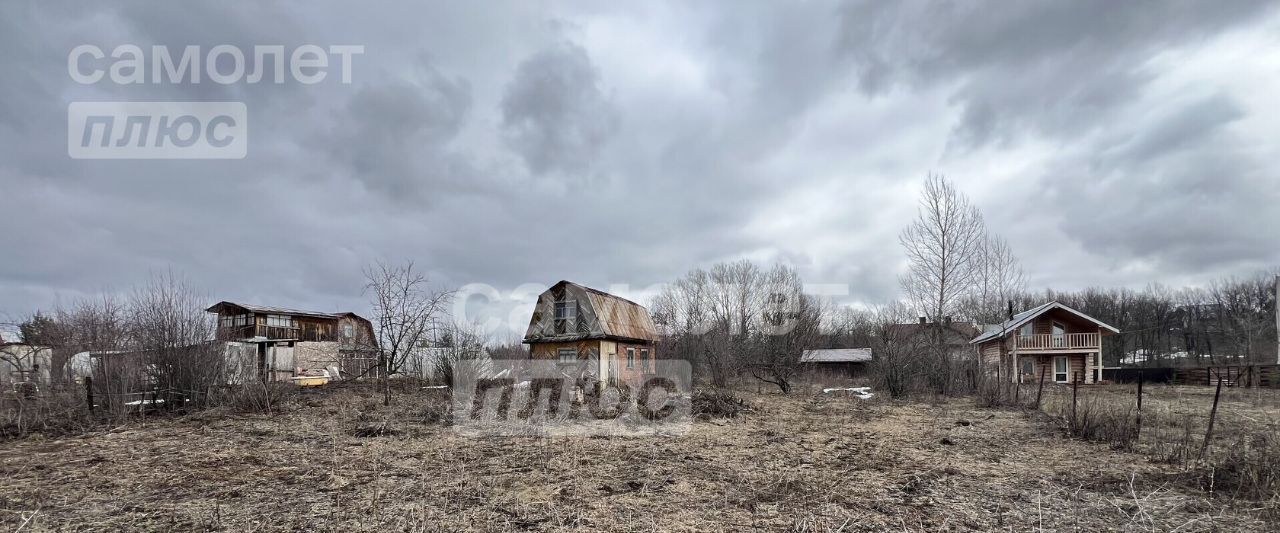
{"points": [[567, 355], [567, 310], [1027, 329], [1028, 367], [1060, 369], [280, 321], [229, 321], [1059, 335], [348, 330], [644, 359], [631, 358]]}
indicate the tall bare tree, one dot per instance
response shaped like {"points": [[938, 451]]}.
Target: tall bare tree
{"points": [[944, 247], [406, 310]]}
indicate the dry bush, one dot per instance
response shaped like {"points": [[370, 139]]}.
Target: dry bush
{"points": [[1093, 418], [437, 406], [53, 414], [717, 404], [260, 397], [1248, 468]]}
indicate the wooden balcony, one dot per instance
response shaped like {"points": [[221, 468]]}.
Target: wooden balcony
{"points": [[1066, 342], [269, 332]]}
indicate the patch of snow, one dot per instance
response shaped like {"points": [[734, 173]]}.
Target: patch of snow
{"points": [[863, 393]]}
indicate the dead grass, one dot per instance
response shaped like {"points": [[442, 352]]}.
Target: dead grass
{"points": [[800, 463]]}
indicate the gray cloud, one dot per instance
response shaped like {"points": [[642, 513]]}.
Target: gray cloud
{"points": [[555, 113], [630, 143]]}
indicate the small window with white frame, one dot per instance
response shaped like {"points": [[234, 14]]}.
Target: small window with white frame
{"points": [[566, 310], [631, 358], [644, 359], [567, 355]]}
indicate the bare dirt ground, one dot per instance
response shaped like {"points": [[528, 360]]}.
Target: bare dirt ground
{"points": [[799, 463]]}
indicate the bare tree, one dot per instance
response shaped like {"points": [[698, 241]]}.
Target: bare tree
{"points": [[944, 246], [464, 359], [791, 322], [899, 354], [997, 279], [405, 311], [174, 336]]}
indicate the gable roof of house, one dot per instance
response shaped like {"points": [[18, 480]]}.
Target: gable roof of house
{"points": [[1019, 319], [604, 316], [269, 310], [959, 332], [836, 355]]}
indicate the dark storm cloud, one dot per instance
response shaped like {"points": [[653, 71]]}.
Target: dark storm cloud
{"points": [[555, 114], [395, 137], [630, 143]]}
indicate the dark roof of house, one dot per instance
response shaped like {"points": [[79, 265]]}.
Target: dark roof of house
{"points": [[999, 330], [836, 355], [269, 310], [959, 330]]}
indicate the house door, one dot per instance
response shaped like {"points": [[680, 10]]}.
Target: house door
{"points": [[1060, 369]]}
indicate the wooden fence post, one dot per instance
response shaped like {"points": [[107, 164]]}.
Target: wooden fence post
{"points": [[88, 392], [1075, 388], [1213, 414], [1139, 429], [1040, 390]]}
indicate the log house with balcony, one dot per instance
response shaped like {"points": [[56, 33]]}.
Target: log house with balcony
{"points": [[1052, 339]]}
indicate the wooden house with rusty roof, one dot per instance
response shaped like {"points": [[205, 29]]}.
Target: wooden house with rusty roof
{"points": [[572, 323]]}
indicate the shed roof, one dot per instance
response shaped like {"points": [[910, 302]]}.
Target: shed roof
{"points": [[836, 355], [1019, 319]]}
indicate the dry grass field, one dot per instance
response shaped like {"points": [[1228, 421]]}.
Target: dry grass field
{"points": [[333, 459]]}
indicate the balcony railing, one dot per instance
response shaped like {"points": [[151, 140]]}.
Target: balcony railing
{"points": [[1061, 341], [269, 332]]}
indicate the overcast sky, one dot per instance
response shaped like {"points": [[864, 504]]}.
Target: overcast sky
{"points": [[1112, 143]]}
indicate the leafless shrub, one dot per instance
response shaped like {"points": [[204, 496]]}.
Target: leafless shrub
{"points": [[717, 403], [367, 424], [259, 397], [1248, 468], [899, 355], [464, 359], [437, 406], [53, 413]]}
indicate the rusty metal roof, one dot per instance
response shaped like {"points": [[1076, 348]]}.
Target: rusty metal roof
{"points": [[598, 315]]}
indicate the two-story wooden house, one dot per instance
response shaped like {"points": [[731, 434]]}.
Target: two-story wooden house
{"points": [[572, 323], [290, 340], [1053, 340]]}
